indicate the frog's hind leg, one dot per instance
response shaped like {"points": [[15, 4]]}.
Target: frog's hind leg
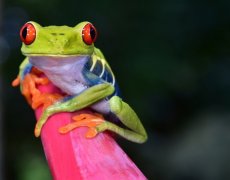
{"points": [[128, 117]]}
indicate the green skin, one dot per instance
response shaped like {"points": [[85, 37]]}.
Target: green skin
{"points": [[43, 46]]}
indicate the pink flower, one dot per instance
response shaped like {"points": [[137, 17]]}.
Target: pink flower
{"points": [[72, 156]]}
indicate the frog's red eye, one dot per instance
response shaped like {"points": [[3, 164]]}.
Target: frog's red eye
{"points": [[89, 34], [28, 33]]}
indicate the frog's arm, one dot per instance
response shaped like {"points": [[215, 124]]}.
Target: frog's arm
{"points": [[121, 109], [86, 98]]}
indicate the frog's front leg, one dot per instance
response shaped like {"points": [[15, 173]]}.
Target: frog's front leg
{"points": [[128, 117], [134, 132], [85, 99]]}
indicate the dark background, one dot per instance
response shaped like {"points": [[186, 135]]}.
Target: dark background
{"points": [[172, 62]]}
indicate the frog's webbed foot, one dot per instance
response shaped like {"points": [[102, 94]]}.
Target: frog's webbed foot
{"points": [[92, 121], [29, 86]]}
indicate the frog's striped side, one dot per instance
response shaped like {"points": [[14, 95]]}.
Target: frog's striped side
{"points": [[97, 70]]}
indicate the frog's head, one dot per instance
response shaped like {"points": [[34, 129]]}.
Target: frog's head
{"points": [[57, 40]]}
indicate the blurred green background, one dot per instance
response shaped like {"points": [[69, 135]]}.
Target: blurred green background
{"points": [[172, 62]]}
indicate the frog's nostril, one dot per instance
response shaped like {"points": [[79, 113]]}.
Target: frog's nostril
{"points": [[55, 34]]}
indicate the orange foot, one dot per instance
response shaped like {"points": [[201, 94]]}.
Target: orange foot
{"points": [[29, 89], [89, 120], [45, 99]]}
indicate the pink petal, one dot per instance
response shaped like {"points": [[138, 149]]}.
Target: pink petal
{"points": [[71, 156]]}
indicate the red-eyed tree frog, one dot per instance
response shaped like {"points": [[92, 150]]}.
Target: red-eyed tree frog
{"points": [[68, 58]]}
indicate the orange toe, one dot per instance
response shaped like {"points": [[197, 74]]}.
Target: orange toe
{"points": [[67, 128], [45, 100], [87, 116], [16, 82], [29, 88], [92, 132], [84, 120], [37, 132], [41, 80]]}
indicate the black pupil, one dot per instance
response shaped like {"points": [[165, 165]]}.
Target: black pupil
{"points": [[92, 33], [24, 32]]}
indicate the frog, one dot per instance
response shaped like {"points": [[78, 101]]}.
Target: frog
{"points": [[69, 59]]}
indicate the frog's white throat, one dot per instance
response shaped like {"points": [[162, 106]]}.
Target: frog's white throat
{"points": [[63, 72]]}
